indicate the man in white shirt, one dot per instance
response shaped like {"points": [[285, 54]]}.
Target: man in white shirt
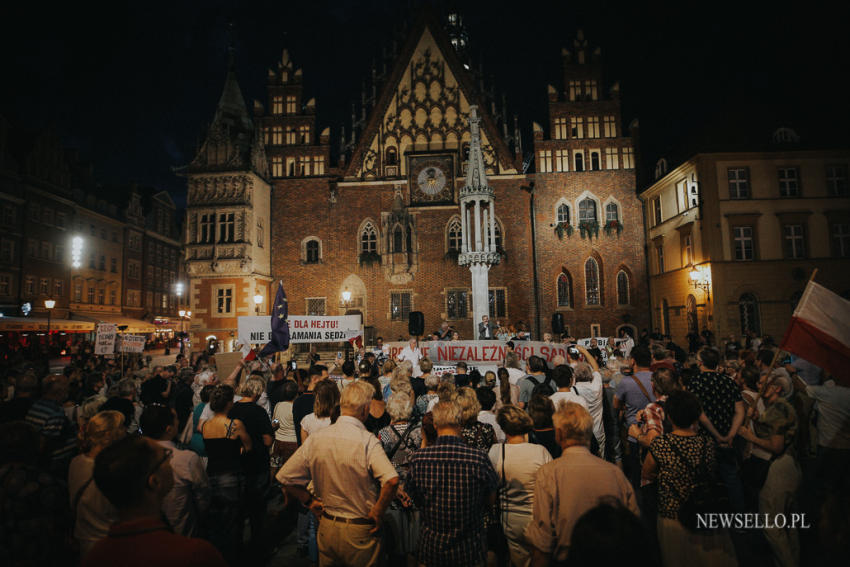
{"points": [[588, 384], [187, 502], [346, 497], [563, 377], [412, 353]]}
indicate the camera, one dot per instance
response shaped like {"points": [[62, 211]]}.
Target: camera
{"points": [[572, 350], [293, 365]]}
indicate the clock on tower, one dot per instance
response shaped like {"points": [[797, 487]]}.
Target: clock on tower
{"points": [[431, 179]]}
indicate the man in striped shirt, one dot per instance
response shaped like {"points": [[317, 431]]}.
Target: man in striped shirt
{"points": [[47, 417]]}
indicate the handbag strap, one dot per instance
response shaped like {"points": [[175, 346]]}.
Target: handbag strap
{"points": [[401, 438], [642, 389]]}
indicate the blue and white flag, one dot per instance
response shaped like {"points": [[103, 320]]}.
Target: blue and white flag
{"points": [[280, 324]]}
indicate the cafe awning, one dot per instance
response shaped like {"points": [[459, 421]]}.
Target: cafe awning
{"points": [[36, 324], [134, 326]]}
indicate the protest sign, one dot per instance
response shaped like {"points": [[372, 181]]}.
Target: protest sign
{"points": [[303, 329], [133, 343], [105, 341]]}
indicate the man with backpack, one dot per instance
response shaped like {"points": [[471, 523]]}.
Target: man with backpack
{"points": [[536, 377]]}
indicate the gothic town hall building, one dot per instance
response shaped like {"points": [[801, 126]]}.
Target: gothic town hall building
{"points": [[384, 221]]}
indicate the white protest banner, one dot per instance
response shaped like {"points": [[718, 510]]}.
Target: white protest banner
{"points": [[602, 344], [133, 343], [105, 342], [303, 329], [480, 353]]}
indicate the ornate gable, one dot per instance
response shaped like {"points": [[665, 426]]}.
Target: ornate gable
{"points": [[424, 107]]}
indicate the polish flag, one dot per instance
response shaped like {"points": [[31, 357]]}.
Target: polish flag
{"points": [[820, 330], [247, 352]]}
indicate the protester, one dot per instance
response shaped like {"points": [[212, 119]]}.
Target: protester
{"points": [[225, 439], [196, 443], [572, 484], [562, 375], [378, 417], [633, 393], [135, 474], [603, 532], [326, 401], [303, 404], [346, 497], [536, 376], [92, 512], [675, 458], [540, 409], [284, 424], [46, 415], [508, 391], [453, 484], [424, 400], [516, 462], [474, 433], [487, 401], [187, 503]]}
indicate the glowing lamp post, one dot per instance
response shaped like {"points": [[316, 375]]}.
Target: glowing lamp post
{"points": [[258, 300], [49, 304]]}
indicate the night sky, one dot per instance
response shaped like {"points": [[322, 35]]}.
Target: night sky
{"points": [[133, 86]]}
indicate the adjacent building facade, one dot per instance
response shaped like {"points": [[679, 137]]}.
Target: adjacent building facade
{"points": [[734, 237]]}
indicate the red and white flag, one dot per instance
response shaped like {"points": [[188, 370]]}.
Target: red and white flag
{"points": [[247, 352], [820, 330]]}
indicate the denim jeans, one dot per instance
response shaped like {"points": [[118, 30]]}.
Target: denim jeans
{"points": [[227, 492], [727, 470]]}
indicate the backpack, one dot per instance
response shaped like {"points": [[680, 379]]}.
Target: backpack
{"points": [[543, 388], [708, 496]]}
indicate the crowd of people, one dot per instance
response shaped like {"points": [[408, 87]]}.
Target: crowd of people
{"points": [[586, 460]]}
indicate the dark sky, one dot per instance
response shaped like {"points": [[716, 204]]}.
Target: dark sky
{"points": [[132, 86]]}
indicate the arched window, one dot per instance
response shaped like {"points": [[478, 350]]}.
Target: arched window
{"points": [[312, 252], [579, 161], [497, 228], [564, 213], [392, 156], [612, 212], [369, 238], [565, 295], [594, 161], [748, 307], [464, 151], [455, 234], [592, 295], [398, 239], [623, 288], [587, 210]]}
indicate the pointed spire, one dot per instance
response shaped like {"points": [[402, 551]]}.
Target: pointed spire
{"points": [[476, 176]]}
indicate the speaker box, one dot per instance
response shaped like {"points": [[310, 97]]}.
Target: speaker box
{"points": [[557, 324], [416, 323]]}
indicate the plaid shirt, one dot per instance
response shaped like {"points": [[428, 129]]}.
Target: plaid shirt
{"points": [[450, 481], [653, 415]]}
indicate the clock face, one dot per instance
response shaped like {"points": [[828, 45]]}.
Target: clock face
{"points": [[431, 180]]}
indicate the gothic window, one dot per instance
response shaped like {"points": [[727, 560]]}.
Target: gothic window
{"points": [[369, 238], [564, 213], [398, 239], [592, 294], [579, 161], [587, 210], [497, 298], [623, 288], [595, 162], [226, 226], [312, 252], [748, 307], [455, 234], [392, 156], [565, 294], [612, 212], [497, 228]]}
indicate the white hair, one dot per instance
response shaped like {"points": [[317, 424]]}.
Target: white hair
{"points": [[356, 397], [399, 406]]}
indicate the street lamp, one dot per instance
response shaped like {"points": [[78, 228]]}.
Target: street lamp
{"points": [[258, 299], [182, 314], [49, 304], [77, 251], [346, 298]]}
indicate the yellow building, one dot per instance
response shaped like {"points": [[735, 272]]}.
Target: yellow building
{"points": [[96, 285], [732, 238]]}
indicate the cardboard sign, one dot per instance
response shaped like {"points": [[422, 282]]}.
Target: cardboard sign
{"points": [[302, 329], [105, 342], [133, 343], [225, 362]]}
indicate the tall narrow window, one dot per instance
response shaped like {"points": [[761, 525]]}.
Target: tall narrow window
{"points": [[841, 239], [579, 161], [291, 107], [226, 227], [455, 234], [277, 135], [612, 160], [622, 288], [224, 301], [789, 182], [277, 104], [595, 161], [609, 127], [575, 90], [592, 127], [592, 295], [587, 210], [561, 128], [291, 136], [576, 127], [748, 308], [304, 134], [564, 291], [687, 250], [659, 258], [628, 158], [398, 239], [312, 252], [261, 233], [836, 180], [369, 238], [545, 161], [304, 165], [318, 165], [392, 156], [498, 302], [739, 182], [456, 304], [399, 305], [563, 213], [656, 211], [794, 239], [743, 237], [612, 213], [562, 160]]}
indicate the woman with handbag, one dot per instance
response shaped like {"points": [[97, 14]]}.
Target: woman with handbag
{"points": [[516, 462], [683, 461]]}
